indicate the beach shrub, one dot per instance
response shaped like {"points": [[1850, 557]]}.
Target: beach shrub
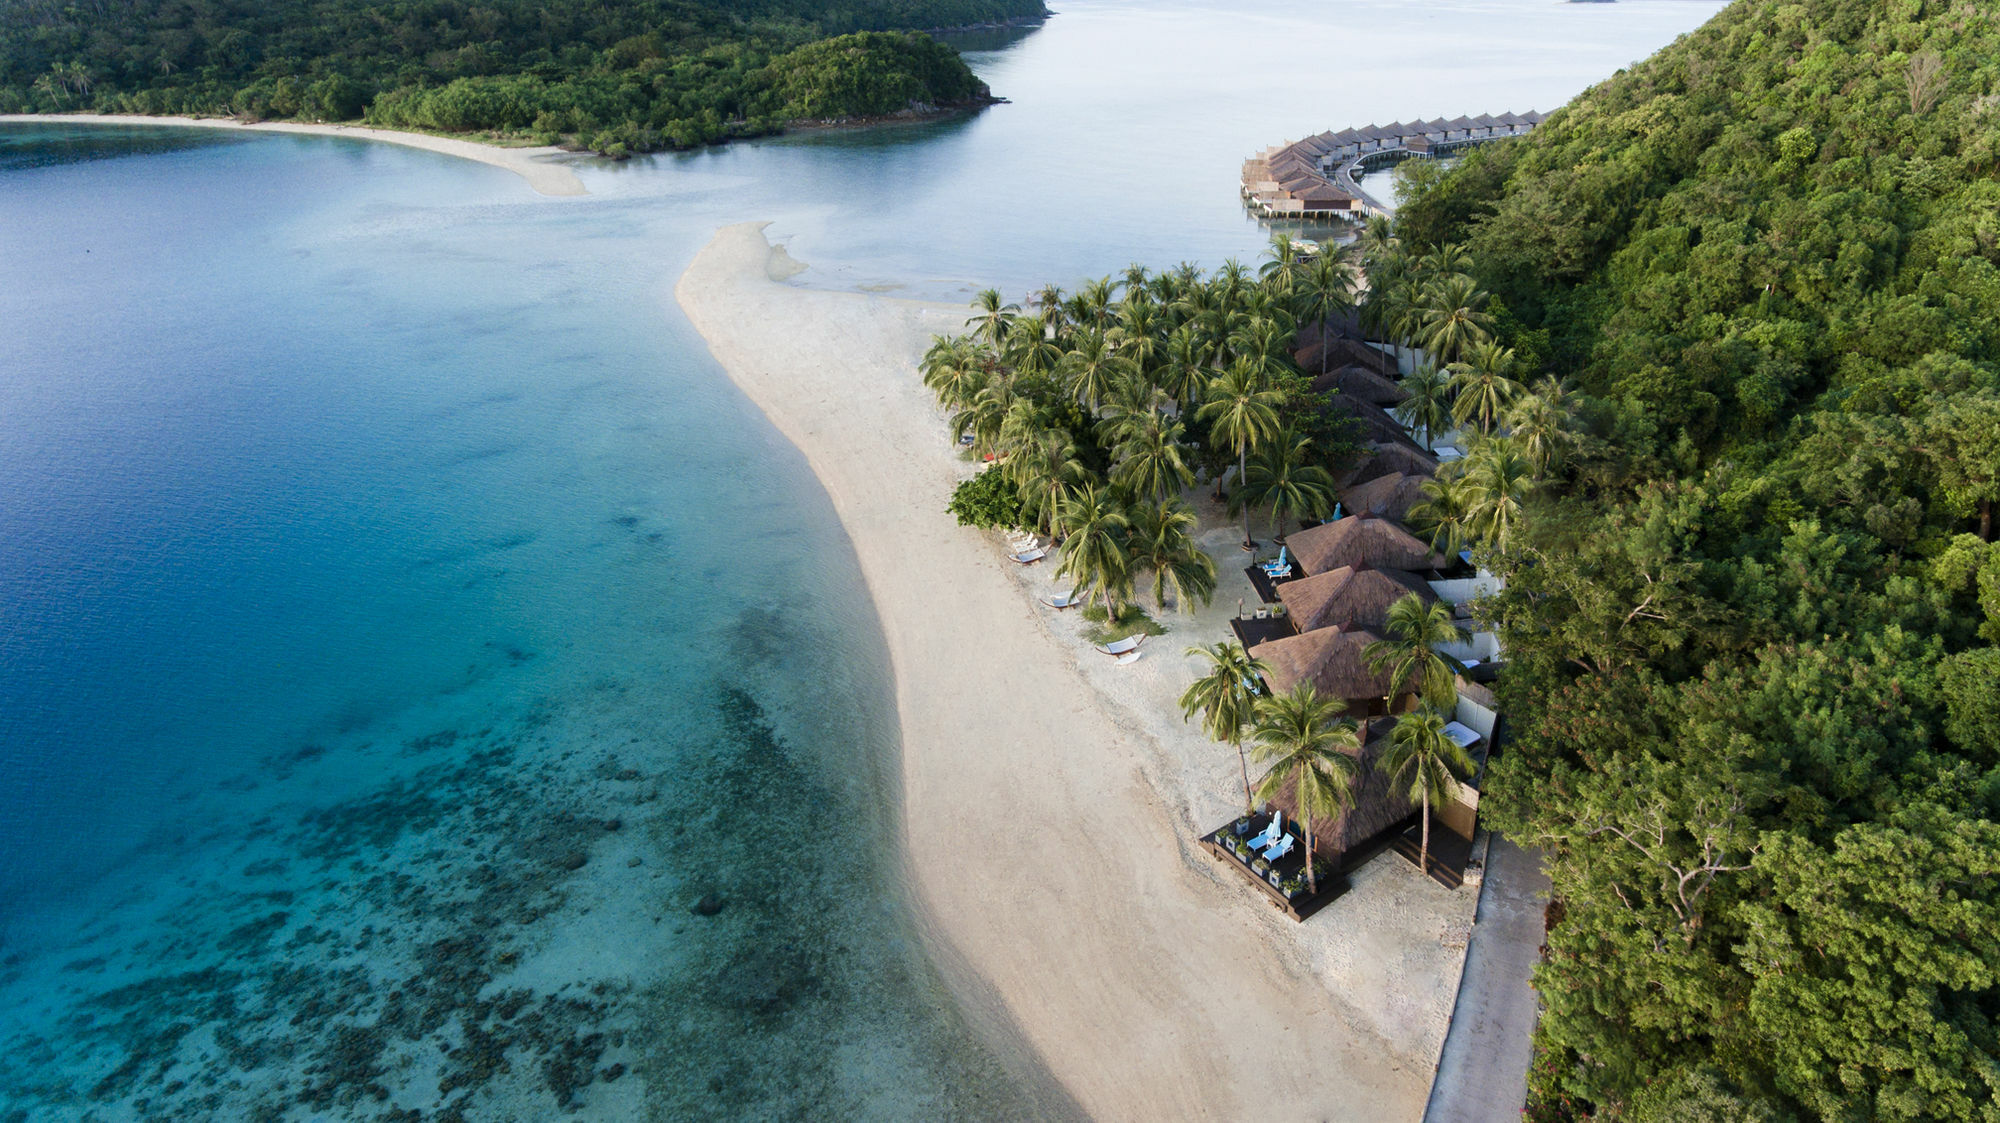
{"points": [[988, 500]]}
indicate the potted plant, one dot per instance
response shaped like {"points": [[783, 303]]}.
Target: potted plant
{"points": [[1261, 866]]}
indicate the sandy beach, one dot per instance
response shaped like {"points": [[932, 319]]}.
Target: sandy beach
{"points": [[530, 164], [1051, 798]]}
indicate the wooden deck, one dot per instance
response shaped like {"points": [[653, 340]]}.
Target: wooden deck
{"points": [[1267, 586], [1251, 631], [1220, 844]]}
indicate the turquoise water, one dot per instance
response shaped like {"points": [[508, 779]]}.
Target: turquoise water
{"points": [[403, 624]]}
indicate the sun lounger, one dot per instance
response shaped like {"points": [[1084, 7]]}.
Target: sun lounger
{"points": [[1120, 647], [1061, 600], [1130, 657], [1280, 567], [1273, 831], [1028, 558], [1279, 849]]}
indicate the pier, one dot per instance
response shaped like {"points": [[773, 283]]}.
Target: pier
{"points": [[1319, 177]]}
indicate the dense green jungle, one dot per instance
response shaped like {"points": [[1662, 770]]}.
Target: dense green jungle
{"points": [[616, 78], [1752, 612]]}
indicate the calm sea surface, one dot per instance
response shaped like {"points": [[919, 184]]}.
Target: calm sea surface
{"points": [[404, 624]]}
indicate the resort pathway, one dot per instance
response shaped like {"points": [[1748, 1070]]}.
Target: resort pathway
{"points": [[1483, 1072]]}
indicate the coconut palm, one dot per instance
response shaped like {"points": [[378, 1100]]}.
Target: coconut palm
{"points": [[1539, 423], [1049, 300], [1428, 409], [1044, 470], [1092, 304], [1378, 241], [1149, 460], [1327, 288], [1448, 259], [1242, 413], [1412, 631], [1092, 371], [991, 317], [1226, 698], [1137, 336], [1407, 304], [1311, 748], [956, 370], [1283, 478], [1453, 317], [1232, 281], [1442, 512], [1282, 273], [1029, 349], [1134, 279], [1425, 764], [1265, 342], [1161, 543], [1482, 385], [986, 415], [1498, 478], [1127, 406], [1184, 369], [1094, 556]]}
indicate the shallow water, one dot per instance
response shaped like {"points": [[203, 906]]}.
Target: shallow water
{"points": [[403, 624]]}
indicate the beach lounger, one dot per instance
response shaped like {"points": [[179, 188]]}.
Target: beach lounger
{"points": [[1061, 600], [1130, 657], [1273, 831], [1280, 567], [1029, 557], [1120, 647], [1278, 849]]}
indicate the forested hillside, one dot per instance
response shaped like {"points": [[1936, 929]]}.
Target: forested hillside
{"points": [[1753, 615], [639, 75]]}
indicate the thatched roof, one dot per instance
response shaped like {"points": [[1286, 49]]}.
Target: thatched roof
{"points": [[1363, 383], [1329, 658], [1391, 459], [1375, 807], [1349, 597], [1377, 427], [1361, 540], [1392, 495]]}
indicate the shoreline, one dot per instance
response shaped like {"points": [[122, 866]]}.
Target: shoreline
{"points": [[1047, 800], [528, 163]]}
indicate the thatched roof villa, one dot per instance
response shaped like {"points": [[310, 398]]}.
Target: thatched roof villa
{"points": [[1361, 540], [1351, 596]]}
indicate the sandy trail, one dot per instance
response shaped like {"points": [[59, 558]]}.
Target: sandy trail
{"points": [[1054, 883], [529, 163]]}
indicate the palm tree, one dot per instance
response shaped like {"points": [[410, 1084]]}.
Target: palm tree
{"points": [[1425, 764], [1428, 409], [1498, 478], [1442, 511], [1326, 288], [1148, 458], [1311, 749], [1050, 300], [1482, 384], [1281, 274], [1284, 478], [1044, 469], [1029, 349], [956, 369], [1092, 370], [1378, 240], [986, 415], [1539, 423], [1408, 307], [1446, 260], [1161, 543], [1241, 413], [1184, 374], [1226, 698], [1137, 336], [1265, 342], [1452, 317], [1092, 306], [1414, 630], [992, 315], [1093, 556]]}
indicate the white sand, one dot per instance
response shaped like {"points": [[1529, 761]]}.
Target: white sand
{"points": [[530, 164], [1051, 798]]}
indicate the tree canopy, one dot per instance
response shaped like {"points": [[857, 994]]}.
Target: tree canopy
{"points": [[1751, 607], [640, 75]]}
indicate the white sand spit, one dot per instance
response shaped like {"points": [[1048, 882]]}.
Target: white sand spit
{"points": [[530, 164], [1051, 797]]}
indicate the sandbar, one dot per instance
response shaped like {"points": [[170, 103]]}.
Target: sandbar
{"points": [[1050, 796], [530, 164]]}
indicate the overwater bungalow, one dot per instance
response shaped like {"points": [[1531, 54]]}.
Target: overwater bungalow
{"points": [[1362, 540]]}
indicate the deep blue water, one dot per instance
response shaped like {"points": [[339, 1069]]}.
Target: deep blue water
{"points": [[399, 609]]}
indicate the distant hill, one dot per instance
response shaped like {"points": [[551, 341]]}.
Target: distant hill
{"points": [[1753, 622], [637, 75]]}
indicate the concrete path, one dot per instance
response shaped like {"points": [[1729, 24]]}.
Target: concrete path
{"points": [[1483, 1071]]}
